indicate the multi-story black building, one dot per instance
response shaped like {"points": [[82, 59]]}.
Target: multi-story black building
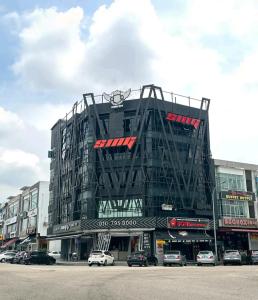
{"points": [[132, 174]]}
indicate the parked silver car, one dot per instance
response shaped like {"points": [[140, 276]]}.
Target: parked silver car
{"points": [[234, 257], [206, 257], [254, 257], [174, 257]]}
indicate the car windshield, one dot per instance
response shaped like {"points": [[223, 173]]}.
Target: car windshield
{"points": [[173, 252], [205, 252], [96, 252]]}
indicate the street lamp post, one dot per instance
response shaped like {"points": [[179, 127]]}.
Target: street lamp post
{"points": [[214, 221]]}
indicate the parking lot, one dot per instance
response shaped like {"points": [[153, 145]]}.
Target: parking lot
{"points": [[22, 282]]}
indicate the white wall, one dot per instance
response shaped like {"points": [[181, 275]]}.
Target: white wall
{"points": [[43, 208]]}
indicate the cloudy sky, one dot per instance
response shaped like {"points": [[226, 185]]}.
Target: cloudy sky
{"points": [[53, 51]]}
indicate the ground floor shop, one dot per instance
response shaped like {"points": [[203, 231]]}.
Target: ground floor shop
{"points": [[123, 236], [188, 242], [237, 238]]}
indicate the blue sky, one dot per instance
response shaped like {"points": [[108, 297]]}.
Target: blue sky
{"points": [[54, 51]]}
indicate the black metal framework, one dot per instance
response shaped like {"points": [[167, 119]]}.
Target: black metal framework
{"points": [[170, 162]]}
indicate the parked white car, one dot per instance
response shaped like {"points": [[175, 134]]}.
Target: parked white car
{"points": [[6, 255], [55, 254], [206, 257], [101, 257]]}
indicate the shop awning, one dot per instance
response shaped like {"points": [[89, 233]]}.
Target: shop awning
{"points": [[27, 240], [184, 236], [63, 237], [8, 243], [238, 230]]}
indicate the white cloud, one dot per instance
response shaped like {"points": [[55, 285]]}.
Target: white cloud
{"points": [[18, 158], [51, 48], [127, 44]]}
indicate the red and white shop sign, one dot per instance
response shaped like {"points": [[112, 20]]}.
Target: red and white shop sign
{"points": [[240, 222], [185, 223], [117, 142]]}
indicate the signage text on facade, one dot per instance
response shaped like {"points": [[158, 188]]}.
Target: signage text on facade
{"points": [[180, 223], [239, 222], [183, 119], [117, 142]]}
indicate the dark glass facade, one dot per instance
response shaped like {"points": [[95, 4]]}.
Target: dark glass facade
{"points": [[166, 170]]}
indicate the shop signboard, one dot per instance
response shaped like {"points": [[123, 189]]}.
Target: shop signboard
{"points": [[237, 195], [254, 236], [68, 227], [118, 223], [146, 241], [11, 220], [239, 222], [187, 223]]}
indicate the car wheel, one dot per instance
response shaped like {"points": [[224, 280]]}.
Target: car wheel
{"points": [[199, 264], [224, 264], [98, 264], [90, 265], [155, 263], [129, 265]]}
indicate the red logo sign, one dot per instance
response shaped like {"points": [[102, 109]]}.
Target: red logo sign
{"points": [[187, 223], [117, 142], [183, 119]]}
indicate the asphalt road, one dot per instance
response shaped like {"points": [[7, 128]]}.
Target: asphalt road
{"points": [[21, 282]]}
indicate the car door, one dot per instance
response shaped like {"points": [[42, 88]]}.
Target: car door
{"points": [[107, 257]]}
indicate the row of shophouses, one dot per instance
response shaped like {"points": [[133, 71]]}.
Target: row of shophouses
{"points": [[24, 217]]}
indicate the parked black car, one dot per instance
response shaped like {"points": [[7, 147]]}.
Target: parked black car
{"points": [[141, 259], [38, 257]]}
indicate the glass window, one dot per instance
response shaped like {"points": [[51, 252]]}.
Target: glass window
{"points": [[24, 224], [226, 182], [33, 221], [120, 208], [34, 199], [235, 208], [26, 203]]}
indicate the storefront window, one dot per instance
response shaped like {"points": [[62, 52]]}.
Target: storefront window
{"points": [[226, 182], [120, 208], [235, 208]]}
